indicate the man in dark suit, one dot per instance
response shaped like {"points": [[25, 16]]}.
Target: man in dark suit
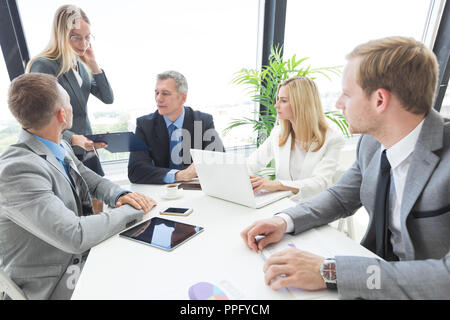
{"points": [[170, 133]]}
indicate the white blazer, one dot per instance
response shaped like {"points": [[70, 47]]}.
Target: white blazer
{"points": [[318, 168]]}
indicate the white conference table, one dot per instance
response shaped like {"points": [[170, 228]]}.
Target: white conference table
{"points": [[119, 268]]}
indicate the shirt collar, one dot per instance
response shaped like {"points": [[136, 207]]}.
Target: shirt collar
{"points": [[402, 149], [178, 123], [58, 151]]}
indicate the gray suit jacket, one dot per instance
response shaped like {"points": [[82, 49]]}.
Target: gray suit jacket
{"points": [[42, 230], [79, 96], [424, 273]]}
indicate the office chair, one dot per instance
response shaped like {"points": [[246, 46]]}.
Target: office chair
{"points": [[10, 288], [348, 156]]}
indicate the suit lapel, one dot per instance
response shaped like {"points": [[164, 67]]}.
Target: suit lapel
{"points": [[423, 161], [161, 137], [76, 89], [41, 150], [188, 124], [86, 86], [282, 158], [196, 141], [421, 168], [369, 182], [308, 155]]}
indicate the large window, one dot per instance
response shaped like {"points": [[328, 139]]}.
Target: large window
{"points": [[445, 108], [207, 41], [326, 30], [9, 128]]}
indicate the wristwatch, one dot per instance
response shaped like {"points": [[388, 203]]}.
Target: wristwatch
{"points": [[328, 273]]}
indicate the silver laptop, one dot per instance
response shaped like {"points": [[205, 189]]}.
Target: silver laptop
{"points": [[225, 176]]}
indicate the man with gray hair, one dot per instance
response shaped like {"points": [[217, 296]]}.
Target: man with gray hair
{"points": [[171, 132]]}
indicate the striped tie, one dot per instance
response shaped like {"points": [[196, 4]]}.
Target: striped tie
{"points": [[174, 160], [84, 202]]}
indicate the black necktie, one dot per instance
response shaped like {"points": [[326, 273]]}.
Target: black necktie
{"points": [[81, 188], [382, 209]]}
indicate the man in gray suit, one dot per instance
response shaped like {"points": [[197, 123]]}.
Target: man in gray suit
{"points": [[47, 225], [401, 176]]}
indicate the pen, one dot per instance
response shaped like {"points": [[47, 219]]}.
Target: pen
{"points": [[96, 153]]}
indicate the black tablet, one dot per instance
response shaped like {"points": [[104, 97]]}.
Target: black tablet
{"points": [[162, 233], [120, 141]]}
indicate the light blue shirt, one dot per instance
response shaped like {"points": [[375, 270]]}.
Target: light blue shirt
{"points": [[58, 151], [170, 176]]}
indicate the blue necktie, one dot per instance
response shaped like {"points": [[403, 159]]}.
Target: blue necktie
{"points": [[174, 161]]}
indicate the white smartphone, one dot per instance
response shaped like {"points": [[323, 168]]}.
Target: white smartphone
{"points": [[177, 211]]}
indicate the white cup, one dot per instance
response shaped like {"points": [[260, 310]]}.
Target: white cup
{"points": [[172, 190]]}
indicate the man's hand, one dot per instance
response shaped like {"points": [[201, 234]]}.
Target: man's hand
{"points": [[137, 200], [187, 174], [273, 229], [85, 143], [300, 269]]}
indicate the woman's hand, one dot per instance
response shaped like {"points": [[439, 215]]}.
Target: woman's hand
{"points": [[259, 183], [85, 143], [89, 59]]}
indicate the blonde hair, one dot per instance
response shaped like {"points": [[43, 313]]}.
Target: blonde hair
{"points": [[309, 119], [66, 19], [404, 66]]}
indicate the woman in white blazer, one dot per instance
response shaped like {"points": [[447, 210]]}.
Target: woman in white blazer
{"points": [[305, 147]]}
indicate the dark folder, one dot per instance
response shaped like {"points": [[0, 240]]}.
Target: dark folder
{"points": [[190, 186], [120, 141]]}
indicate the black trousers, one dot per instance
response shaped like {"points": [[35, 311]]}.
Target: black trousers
{"points": [[91, 161]]}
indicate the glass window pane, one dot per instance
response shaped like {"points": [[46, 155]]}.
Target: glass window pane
{"points": [[207, 41], [9, 128], [445, 108], [326, 30]]}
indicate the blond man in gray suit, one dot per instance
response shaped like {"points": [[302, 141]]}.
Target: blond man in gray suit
{"points": [[47, 225], [401, 176]]}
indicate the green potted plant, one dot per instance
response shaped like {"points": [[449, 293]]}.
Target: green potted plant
{"points": [[262, 86]]}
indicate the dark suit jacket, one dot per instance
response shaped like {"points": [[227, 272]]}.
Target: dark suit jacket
{"points": [[151, 167], [79, 96]]}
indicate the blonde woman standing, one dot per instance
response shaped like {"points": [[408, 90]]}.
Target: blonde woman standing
{"points": [[305, 147], [70, 57]]}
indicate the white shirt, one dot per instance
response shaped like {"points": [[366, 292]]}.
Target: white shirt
{"points": [[78, 77], [297, 157], [399, 156], [309, 172]]}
